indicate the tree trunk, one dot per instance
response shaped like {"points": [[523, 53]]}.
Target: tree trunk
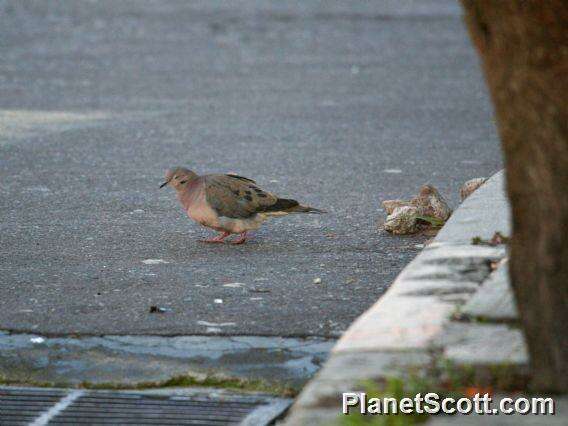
{"points": [[523, 46]]}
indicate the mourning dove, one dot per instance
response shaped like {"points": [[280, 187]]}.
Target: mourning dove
{"points": [[229, 203]]}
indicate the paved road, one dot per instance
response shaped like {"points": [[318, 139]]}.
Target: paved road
{"points": [[339, 104]]}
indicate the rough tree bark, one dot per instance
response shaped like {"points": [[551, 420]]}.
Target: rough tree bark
{"points": [[523, 46]]}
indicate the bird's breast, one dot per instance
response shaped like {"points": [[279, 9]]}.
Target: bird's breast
{"points": [[198, 209]]}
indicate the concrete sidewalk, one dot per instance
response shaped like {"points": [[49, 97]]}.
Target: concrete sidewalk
{"points": [[452, 305]]}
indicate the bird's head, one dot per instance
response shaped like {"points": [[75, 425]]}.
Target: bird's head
{"points": [[178, 177]]}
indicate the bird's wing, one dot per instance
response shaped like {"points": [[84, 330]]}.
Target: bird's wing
{"points": [[237, 197], [240, 177]]}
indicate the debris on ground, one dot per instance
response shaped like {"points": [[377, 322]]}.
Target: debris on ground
{"points": [[259, 290], [317, 280], [496, 239], [154, 261], [403, 220], [234, 285], [470, 186], [425, 211], [158, 310]]}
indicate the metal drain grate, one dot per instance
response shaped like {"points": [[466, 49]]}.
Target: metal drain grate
{"points": [[36, 406]]}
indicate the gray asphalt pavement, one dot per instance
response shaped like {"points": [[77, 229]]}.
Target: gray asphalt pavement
{"points": [[338, 104]]}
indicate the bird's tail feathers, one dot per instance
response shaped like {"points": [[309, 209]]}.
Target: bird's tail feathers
{"points": [[284, 206], [306, 209], [292, 206]]}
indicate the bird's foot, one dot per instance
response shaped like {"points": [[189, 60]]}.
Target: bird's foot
{"points": [[241, 240], [217, 239]]}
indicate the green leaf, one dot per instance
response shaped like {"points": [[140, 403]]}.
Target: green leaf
{"points": [[434, 221]]}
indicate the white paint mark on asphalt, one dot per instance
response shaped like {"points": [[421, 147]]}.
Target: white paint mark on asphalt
{"points": [[63, 403], [23, 124], [393, 171], [37, 340], [218, 301]]}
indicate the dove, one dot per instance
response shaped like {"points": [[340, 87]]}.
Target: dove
{"points": [[228, 203]]}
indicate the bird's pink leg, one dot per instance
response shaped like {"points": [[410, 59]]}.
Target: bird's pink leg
{"points": [[241, 239], [218, 239]]}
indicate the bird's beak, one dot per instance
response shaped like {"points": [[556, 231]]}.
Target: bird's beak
{"points": [[164, 184]]}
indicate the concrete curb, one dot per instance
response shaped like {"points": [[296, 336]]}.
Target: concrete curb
{"points": [[402, 328], [422, 297]]}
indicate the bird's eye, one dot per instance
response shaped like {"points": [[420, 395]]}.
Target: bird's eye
{"points": [[183, 181]]}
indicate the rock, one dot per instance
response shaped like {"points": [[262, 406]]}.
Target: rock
{"points": [[431, 203], [403, 220], [390, 205], [424, 211], [470, 186]]}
